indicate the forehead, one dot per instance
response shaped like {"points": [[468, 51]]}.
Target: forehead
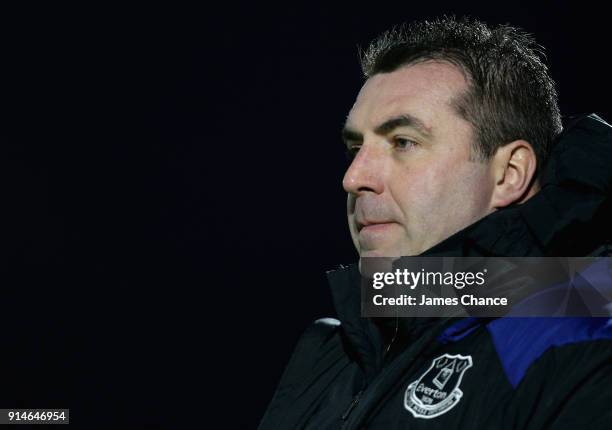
{"points": [[424, 90]]}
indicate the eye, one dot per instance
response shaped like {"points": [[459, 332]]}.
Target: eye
{"points": [[403, 143], [352, 151]]}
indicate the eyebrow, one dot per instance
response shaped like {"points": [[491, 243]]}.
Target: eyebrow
{"points": [[404, 120]]}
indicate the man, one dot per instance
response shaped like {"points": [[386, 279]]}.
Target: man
{"points": [[458, 150]]}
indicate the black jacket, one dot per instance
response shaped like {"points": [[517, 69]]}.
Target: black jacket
{"points": [[514, 373]]}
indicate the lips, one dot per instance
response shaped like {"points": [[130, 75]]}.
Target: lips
{"points": [[371, 224]]}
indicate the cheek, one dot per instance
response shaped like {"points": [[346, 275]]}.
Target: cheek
{"points": [[442, 191], [417, 195], [424, 186], [475, 184]]}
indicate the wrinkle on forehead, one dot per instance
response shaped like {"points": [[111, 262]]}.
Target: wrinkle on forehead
{"points": [[420, 88]]}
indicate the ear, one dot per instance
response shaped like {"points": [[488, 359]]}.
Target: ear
{"points": [[514, 167]]}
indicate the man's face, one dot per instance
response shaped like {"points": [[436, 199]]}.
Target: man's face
{"points": [[411, 183]]}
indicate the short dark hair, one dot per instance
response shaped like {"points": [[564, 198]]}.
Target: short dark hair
{"points": [[511, 95]]}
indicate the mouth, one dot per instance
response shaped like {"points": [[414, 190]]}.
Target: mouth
{"points": [[372, 226]]}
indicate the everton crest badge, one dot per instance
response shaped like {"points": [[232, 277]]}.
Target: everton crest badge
{"points": [[437, 390]]}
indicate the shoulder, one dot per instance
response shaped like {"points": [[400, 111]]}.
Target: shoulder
{"points": [[318, 335], [323, 327], [560, 368], [316, 340], [318, 347], [520, 342]]}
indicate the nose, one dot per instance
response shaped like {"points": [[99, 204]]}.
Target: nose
{"points": [[365, 172]]}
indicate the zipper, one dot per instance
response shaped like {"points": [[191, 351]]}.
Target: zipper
{"points": [[350, 417], [354, 403], [357, 397], [388, 348]]}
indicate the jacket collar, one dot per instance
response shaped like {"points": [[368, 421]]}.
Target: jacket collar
{"points": [[569, 216]]}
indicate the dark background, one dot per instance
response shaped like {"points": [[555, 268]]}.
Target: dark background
{"points": [[171, 192]]}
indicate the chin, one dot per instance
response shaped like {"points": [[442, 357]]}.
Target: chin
{"points": [[371, 253], [369, 267], [379, 253]]}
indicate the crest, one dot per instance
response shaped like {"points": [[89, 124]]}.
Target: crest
{"points": [[437, 390]]}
